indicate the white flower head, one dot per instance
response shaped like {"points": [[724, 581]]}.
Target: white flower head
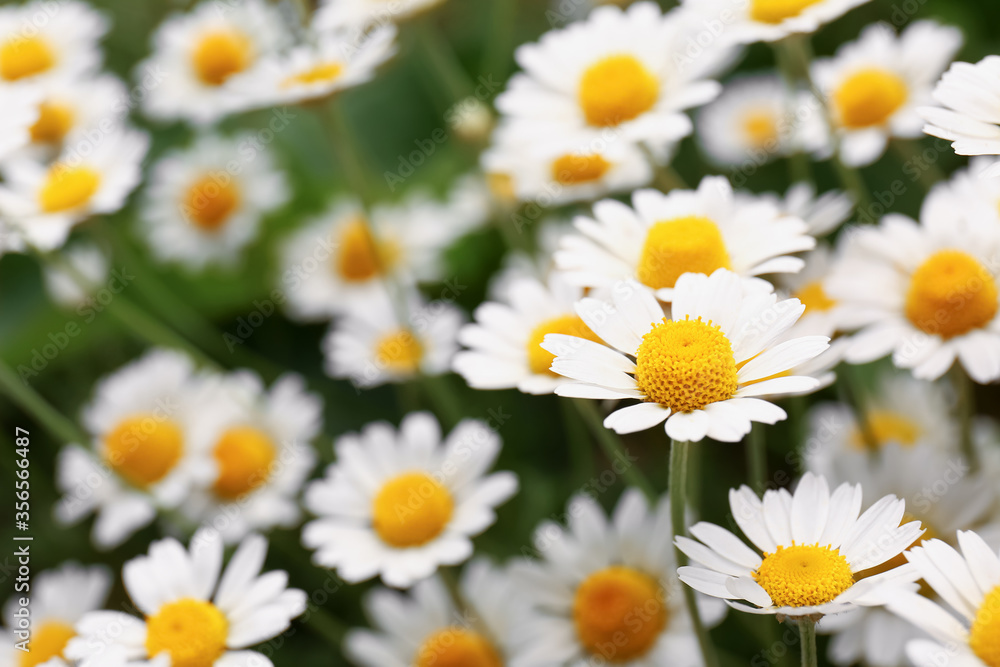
{"points": [[354, 16], [46, 40], [71, 285], [748, 21]]}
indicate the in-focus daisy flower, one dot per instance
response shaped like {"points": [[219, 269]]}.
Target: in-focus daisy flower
{"points": [[813, 543], [191, 614], [59, 599], [42, 40], [204, 204], [399, 504], [748, 21], [623, 72], [352, 15], [822, 214], [702, 370], [90, 178], [145, 420], [425, 627], [756, 119], [969, 583], [85, 269], [505, 341], [874, 85], [195, 54], [606, 591], [927, 292], [260, 442]]}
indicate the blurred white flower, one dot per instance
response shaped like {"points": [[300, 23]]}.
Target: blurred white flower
{"points": [[71, 284], [357, 16], [748, 21]]}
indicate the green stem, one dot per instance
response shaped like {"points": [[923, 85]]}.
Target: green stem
{"points": [[151, 331], [613, 447], [326, 626], [449, 75], [444, 400], [581, 451], [966, 410], [34, 404], [799, 166], [757, 458], [807, 640], [496, 55]]}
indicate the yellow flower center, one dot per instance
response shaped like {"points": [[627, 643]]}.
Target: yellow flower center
{"points": [[616, 90], [761, 129], [244, 456], [411, 509], [803, 575], [885, 426], [577, 169], [144, 448], [321, 73], [54, 122], [192, 631], [21, 57], [950, 294], [400, 351], [814, 297], [619, 614], [539, 360], [685, 365], [47, 641], [501, 186], [984, 636], [684, 245], [67, 188], [457, 647], [869, 97], [220, 54], [776, 11], [210, 202], [360, 256]]}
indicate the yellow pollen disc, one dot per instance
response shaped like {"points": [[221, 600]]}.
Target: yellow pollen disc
{"points": [[950, 294], [457, 647], [984, 636], [619, 614], [220, 54], [244, 456], [684, 245], [47, 641], [776, 11], [884, 427], [400, 351], [615, 90], [54, 123], [144, 448], [577, 169], [761, 129], [685, 365], [411, 509], [66, 188], [869, 97], [501, 186], [209, 202], [322, 73], [539, 360], [21, 57], [359, 256], [814, 297], [192, 631], [802, 575]]}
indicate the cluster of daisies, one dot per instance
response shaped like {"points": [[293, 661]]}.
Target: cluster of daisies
{"points": [[706, 311]]}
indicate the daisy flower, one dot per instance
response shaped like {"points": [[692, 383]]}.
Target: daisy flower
{"points": [[625, 72], [813, 544], [260, 442], [822, 314], [92, 178], [204, 204], [89, 266], [822, 214], [43, 40], [18, 114], [663, 236], [198, 52], [505, 341], [59, 599], [748, 21], [875, 85], [191, 615], [360, 14], [426, 627], [973, 191], [702, 370], [968, 580], [606, 591], [399, 504], [926, 292]]}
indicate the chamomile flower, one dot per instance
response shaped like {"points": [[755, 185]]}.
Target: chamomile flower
{"points": [[822, 214], [59, 599], [197, 53], [505, 341], [91, 178], [41, 40], [71, 285], [748, 21], [927, 292], [663, 236], [260, 441], [360, 14], [621, 72], [702, 370], [606, 591], [191, 615], [399, 504], [973, 190], [425, 626], [822, 314], [18, 114], [812, 545], [204, 204], [875, 85], [968, 580]]}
